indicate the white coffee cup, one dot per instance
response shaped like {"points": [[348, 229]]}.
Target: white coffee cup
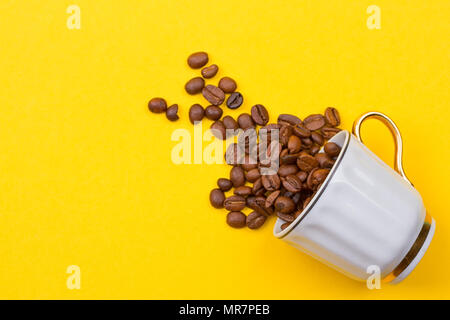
{"points": [[364, 214]]}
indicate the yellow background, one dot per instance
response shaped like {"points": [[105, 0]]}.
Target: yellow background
{"points": [[86, 176]]}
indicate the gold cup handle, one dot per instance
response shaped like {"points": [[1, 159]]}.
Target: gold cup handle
{"points": [[398, 166]]}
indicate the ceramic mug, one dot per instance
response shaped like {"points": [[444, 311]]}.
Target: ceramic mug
{"points": [[364, 214]]}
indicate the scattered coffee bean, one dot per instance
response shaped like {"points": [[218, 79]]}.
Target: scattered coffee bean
{"points": [[157, 105], [253, 175], [224, 184], [195, 85], [245, 121], [237, 176], [196, 113], [324, 160], [314, 149], [301, 131], [271, 182], [292, 183], [234, 203], [213, 113], [314, 122], [260, 115], [329, 133], [255, 220], [230, 123], [287, 169], [302, 175], [258, 204], [235, 100], [316, 177], [243, 191], [258, 188], [307, 162], [284, 205], [332, 149], [210, 71], [217, 197], [289, 119], [198, 60], [172, 112], [332, 117], [218, 130], [286, 216], [213, 94], [236, 219], [317, 138], [227, 85], [270, 200], [294, 144]]}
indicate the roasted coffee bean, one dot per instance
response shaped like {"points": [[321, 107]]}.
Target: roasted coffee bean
{"points": [[258, 188], [329, 133], [286, 217], [317, 138], [157, 105], [243, 191], [196, 113], [314, 122], [332, 117], [285, 134], [332, 149], [249, 163], [294, 144], [213, 113], [307, 162], [214, 95], [255, 220], [298, 212], [227, 85], [236, 219], [270, 200], [245, 121], [314, 149], [284, 225], [172, 113], [197, 60], [271, 182], [237, 176], [234, 203], [195, 85], [234, 154], [324, 160], [286, 158], [210, 71], [292, 183], [258, 204], [259, 114], [217, 197], [307, 142], [252, 175], [224, 184], [284, 205], [290, 119], [235, 100], [218, 130], [301, 131], [302, 175], [230, 123], [287, 169], [316, 177]]}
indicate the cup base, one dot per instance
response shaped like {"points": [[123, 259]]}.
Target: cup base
{"points": [[400, 277]]}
